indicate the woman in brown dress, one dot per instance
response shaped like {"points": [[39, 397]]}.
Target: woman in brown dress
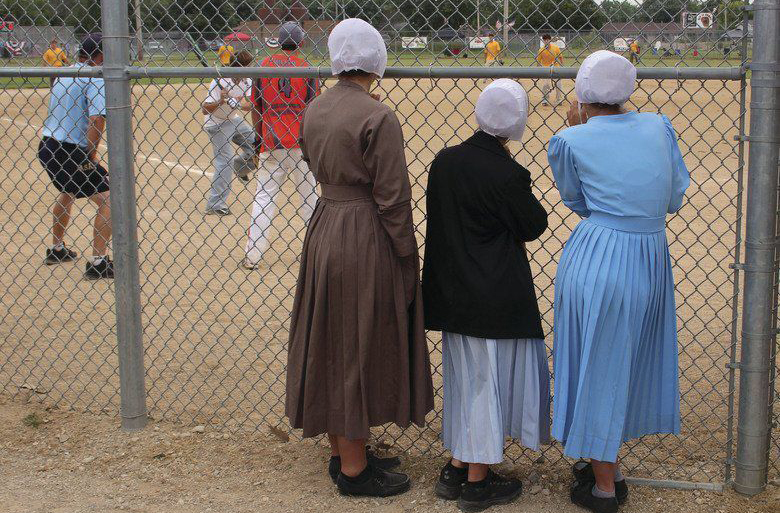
{"points": [[358, 356]]}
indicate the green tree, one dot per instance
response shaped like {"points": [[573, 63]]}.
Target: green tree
{"points": [[665, 11], [619, 11]]}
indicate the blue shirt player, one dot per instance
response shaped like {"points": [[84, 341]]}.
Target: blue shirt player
{"points": [[68, 152]]}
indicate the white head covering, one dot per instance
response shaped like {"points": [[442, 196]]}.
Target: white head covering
{"points": [[355, 44], [605, 77], [502, 109]]}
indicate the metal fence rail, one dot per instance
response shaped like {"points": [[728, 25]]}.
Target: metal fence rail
{"points": [[201, 340]]}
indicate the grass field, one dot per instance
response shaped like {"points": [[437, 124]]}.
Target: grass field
{"points": [[215, 335], [572, 57]]}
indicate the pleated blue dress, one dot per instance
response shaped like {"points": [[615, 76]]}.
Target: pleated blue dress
{"points": [[615, 343]]}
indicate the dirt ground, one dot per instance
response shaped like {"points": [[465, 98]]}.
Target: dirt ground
{"points": [[79, 463], [215, 336]]}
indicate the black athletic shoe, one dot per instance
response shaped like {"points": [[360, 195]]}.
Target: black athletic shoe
{"points": [[334, 466], [373, 482], [60, 256], [582, 495], [494, 490], [103, 269], [451, 481], [583, 473]]}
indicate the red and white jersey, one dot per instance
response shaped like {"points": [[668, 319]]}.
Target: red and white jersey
{"points": [[281, 102]]}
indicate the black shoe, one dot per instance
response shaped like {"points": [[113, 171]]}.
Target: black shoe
{"points": [[334, 466], [583, 473], [373, 482], [59, 256], [582, 495], [491, 491], [104, 268], [451, 481]]}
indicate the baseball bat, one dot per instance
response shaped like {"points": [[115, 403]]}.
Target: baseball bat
{"points": [[201, 57]]}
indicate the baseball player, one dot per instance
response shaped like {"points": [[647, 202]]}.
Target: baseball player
{"points": [[54, 56], [492, 51], [68, 151], [223, 121], [634, 49], [550, 56], [278, 109]]}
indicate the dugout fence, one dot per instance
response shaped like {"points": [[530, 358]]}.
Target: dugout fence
{"points": [[185, 334]]}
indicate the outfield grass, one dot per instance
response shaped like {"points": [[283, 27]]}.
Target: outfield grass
{"points": [[572, 57]]}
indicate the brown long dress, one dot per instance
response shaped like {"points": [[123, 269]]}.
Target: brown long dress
{"points": [[358, 356]]}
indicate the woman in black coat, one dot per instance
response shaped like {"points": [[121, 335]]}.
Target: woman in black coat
{"points": [[478, 290]]}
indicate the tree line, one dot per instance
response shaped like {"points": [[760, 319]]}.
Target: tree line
{"points": [[219, 16]]}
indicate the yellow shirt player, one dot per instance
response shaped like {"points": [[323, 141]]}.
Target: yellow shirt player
{"points": [[492, 50], [225, 53], [550, 56], [55, 56], [634, 51]]}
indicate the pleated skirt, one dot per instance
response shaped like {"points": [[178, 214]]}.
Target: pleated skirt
{"points": [[615, 346], [358, 356], [493, 389]]}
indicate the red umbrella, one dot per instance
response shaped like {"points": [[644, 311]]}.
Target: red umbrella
{"points": [[238, 36]]}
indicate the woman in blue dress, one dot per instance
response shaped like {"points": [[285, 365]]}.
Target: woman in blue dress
{"points": [[615, 345]]}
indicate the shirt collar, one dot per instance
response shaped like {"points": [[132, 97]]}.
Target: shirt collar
{"points": [[489, 143]]}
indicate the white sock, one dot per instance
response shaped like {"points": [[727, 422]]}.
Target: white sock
{"points": [[96, 259], [58, 247], [597, 492], [618, 474]]}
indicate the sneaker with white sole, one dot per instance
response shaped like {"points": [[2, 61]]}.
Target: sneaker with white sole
{"points": [[102, 268], [60, 256]]}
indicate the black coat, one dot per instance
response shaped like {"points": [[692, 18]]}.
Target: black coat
{"points": [[476, 277]]}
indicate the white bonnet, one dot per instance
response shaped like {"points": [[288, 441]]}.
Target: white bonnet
{"points": [[502, 109], [605, 77], [355, 45]]}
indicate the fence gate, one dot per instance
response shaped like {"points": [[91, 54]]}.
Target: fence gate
{"points": [[203, 340]]}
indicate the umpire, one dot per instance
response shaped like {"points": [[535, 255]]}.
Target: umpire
{"points": [[68, 151]]}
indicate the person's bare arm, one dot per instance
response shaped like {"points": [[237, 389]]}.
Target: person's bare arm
{"points": [[97, 124]]}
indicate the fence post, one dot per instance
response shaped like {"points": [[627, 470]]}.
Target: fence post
{"points": [[760, 242], [116, 47]]}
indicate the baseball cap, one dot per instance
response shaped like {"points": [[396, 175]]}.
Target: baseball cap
{"points": [[290, 33], [92, 45]]}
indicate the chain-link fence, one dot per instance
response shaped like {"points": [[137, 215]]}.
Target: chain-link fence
{"points": [[215, 334]]}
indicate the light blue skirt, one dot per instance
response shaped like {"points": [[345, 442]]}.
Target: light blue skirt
{"points": [[615, 345], [493, 389]]}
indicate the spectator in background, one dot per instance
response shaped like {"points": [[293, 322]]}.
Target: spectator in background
{"points": [[68, 151], [227, 98], [55, 57], [550, 56]]}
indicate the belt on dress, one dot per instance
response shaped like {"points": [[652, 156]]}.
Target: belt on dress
{"points": [[628, 223], [346, 192]]}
